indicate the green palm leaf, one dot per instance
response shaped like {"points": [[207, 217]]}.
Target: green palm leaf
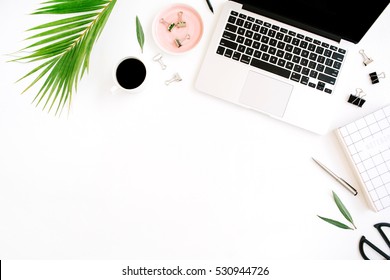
{"points": [[63, 47]]}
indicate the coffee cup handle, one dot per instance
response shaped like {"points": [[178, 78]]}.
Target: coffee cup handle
{"points": [[114, 89]]}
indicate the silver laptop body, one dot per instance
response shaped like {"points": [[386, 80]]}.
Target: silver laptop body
{"points": [[242, 66]]}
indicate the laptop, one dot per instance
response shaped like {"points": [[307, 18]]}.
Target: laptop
{"points": [[283, 58]]}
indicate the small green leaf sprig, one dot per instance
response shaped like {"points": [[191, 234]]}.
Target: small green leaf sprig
{"points": [[343, 211], [140, 33]]}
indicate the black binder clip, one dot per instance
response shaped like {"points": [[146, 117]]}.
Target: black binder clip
{"points": [[358, 98], [375, 77]]}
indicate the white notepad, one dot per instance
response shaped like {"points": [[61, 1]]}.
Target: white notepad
{"points": [[366, 142]]}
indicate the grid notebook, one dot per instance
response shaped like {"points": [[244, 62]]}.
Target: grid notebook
{"points": [[366, 142]]}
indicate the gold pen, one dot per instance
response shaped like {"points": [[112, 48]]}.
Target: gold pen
{"points": [[338, 179]]}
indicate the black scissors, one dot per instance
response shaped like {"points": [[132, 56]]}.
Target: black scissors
{"points": [[364, 240]]}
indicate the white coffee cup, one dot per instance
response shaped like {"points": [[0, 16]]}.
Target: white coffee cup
{"points": [[129, 75]]}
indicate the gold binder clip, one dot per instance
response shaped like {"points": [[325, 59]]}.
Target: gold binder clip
{"points": [[180, 23], [179, 42], [158, 58], [170, 26], [176, 78], [366, 59]]}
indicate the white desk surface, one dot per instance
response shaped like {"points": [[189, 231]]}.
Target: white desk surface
{"points": [[171, 173]]}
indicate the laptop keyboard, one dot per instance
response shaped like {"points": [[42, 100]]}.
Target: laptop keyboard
{"points": [[281, 51]]}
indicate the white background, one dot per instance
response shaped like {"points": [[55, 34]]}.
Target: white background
{"points": [[170, 173]]}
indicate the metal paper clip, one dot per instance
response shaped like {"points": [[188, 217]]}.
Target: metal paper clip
{"points": [[366, 59], [158, 58], [176, 78], [179, 42], [180, 23], [170, 26], [358, 98], [375, 77]]}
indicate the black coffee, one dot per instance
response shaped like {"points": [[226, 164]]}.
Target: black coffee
{"points": [[131, 73]]}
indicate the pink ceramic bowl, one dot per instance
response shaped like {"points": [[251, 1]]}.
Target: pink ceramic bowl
{"points": [[177, 29]]}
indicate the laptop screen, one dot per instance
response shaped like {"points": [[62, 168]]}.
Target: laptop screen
{"points": [[332, 18]]}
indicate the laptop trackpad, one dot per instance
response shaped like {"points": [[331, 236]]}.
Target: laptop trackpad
{"points": [[265, 94]]}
